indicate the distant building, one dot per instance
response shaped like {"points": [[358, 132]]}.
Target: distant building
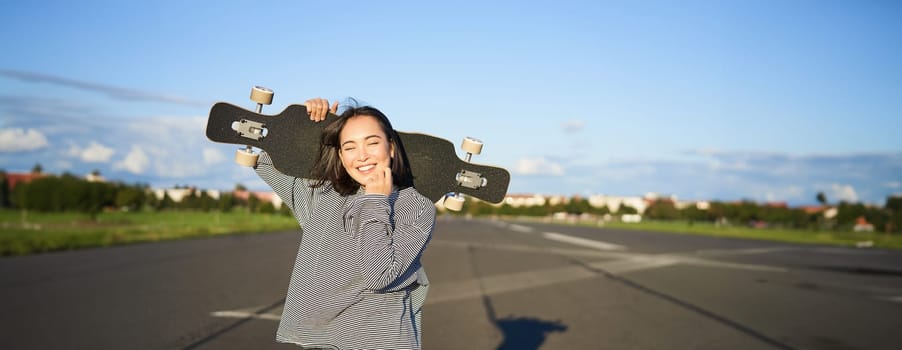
{"points": [[178, 194], [13, 179], [266, 197], [524, 200], [827, 212], [862, 225], [215, 194], [557, 199], [615, 202], [175, 194], [94, 177], [812, 209]]}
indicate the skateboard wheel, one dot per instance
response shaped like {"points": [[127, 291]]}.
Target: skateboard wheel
{"points": [[245, 158], [471, 145], [454, 203], [261, 95]]}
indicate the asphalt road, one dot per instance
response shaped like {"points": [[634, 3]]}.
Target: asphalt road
{"points": [[495, 285]]}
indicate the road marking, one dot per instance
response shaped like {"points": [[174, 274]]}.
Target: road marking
{"points": [[897, 299], [582, 241], [848, 251], [470, 288], [523, 248], [441, 292], [245, 314], [749, 251], [521, 228], [248, 312], [714, 263], [634, 264]]}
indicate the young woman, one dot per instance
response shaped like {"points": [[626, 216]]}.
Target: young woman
{"points": [[357, 281]]}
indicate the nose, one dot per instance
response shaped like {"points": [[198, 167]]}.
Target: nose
{"points": [[363, 154]]}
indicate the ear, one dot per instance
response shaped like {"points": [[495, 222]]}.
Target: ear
{"points": [[391, 149]]}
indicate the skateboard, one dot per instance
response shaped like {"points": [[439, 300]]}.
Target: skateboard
{"points": [[292, 141]]}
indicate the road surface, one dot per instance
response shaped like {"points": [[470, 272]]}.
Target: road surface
{"points": [[495, 285]]}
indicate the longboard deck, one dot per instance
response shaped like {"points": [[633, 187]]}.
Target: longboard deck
{"points": [[292, 141]]}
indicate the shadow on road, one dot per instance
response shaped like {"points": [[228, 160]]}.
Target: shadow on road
{"points": [[520, 333], [526, 333]]}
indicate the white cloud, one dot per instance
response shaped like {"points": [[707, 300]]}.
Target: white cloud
{"points": [[171, 164], [893, 184], [707, 152], [843, 193], [213, 156], [135, 162], [776, 193], [16, 140], [94, 153], [573, 125], [63, 164], [538, 166]]}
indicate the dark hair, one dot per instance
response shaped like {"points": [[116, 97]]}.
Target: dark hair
{"points": [[328, 166]]}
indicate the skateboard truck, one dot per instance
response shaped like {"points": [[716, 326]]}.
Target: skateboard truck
{"points": [[469, 179], [251, 129]]}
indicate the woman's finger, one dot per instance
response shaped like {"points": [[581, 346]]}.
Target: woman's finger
{"points": [[387, 180], [317, 108]]}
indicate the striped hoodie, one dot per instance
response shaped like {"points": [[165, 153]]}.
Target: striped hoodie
{"points": [[357, 281]]}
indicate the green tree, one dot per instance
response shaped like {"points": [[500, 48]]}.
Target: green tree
{"points": [[626, 209], [692, 213], [253, 203], [151, 202], [662, 210], [534, 210], [602, 210], [477, 207], [285, 210], [166, 203], [64, 193], [578, 206], [894, 208], [226, 202], [848, 213], [4, 190], [191, 201], [206, 202], [129, 198], [894, 203], [267, 208]]}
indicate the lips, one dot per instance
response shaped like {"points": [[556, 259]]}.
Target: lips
{"points": [[366, 168]]}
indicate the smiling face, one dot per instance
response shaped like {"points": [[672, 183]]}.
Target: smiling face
{"points": [[364, 148]]}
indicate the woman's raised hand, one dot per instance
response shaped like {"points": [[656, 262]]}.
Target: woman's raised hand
{"points": [[318, 108], [380, 182]]}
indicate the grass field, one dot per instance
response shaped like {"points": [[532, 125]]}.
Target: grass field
{"points": [[837, 238], [26, 233]]}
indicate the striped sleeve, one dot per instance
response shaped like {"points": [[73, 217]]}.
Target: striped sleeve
{"points": [[295, 192], [390, 251]]}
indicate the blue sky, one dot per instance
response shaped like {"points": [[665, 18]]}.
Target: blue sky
{"points": [[761, 100]]}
